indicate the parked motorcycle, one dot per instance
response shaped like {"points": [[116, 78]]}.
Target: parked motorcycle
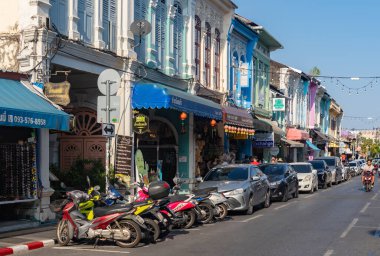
{"points": [[114, 224]]}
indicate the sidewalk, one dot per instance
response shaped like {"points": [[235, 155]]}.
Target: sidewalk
{"points": [[29, 239]]}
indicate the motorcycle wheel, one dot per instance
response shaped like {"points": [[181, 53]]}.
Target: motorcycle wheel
{"points": [[223, 211], [165, 227], [190, 218], [368, 187], [153, 231], [209, 213], [63, 233], [135, 234]]}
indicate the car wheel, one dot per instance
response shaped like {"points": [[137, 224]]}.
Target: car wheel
{"points": [[330, 184], [267, 200], [325, 184], [311, 190], [285, 196], [317, 187], [250, 206], [296, 193]]}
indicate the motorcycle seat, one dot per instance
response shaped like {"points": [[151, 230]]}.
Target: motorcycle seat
{"points": [[145, 202], [163, 201], [101, 211], [177, 198]]}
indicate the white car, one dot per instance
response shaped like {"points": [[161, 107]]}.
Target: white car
{"points": [[355, 165], [307, 177]]}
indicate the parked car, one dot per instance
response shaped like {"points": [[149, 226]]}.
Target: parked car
{"points": [[362, 164], [324, 173], [355, 165], [307, 177], [283, 180], [244, 185], [335, 167]]}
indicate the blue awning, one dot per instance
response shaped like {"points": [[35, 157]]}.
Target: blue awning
{"points": [[312, 146], [160, 96], [21, 107]]}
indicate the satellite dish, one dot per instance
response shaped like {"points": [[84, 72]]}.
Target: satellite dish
{"points": [[141, 28]]}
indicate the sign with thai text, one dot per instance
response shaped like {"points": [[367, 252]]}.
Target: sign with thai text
{"points": [[58, 92]]}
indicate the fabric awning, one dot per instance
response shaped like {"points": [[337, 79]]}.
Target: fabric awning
{"points": [[312, 146], [262, 123], [160, 96], [237, 116], [19, 106], [322, 136], [297, 134], [293, 144]]}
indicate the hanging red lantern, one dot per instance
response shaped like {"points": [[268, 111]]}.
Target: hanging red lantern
{"points": [[226, 128], [183, 117], [213, 123]]}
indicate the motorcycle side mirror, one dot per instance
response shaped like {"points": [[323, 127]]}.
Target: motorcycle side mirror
{"points": [[255, 178], [199, 179], [176, 180], [88, 181], [97, 188]]}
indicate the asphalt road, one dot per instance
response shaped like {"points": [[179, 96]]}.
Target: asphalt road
{"points": [[342, 220]]}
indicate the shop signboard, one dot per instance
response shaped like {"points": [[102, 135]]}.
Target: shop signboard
{"points": [[263, 140], [58, 92], [278, 104], [123, 159], [244, 75], [140, 124]]}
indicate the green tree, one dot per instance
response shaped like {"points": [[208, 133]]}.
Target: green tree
{"points": [[315, 71]]}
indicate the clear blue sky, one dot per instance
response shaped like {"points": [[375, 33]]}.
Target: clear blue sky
{"points": [[341, 37]]}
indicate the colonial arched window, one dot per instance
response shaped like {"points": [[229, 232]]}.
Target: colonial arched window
{"points": [[178, 38], [160, 31], [207, 58], [217, 60], [197, 48]]}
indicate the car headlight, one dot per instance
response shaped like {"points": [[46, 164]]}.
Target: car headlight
{"points": [[276, 183], [234, 192], [307, 178]]}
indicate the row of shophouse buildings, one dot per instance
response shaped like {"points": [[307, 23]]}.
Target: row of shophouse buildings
{"points": [[201, 84]]}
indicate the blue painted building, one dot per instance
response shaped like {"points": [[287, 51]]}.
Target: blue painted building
{"points": [[241, 41]]}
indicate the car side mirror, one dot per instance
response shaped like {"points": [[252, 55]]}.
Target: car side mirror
{"points": [[255, 178]]}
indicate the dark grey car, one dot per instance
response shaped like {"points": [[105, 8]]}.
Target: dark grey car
{"points": [[244, 185], [335, 167]]}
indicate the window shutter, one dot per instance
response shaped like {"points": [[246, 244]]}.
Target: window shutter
{"points": [[113, 22], [59, 14], [89, 21], [81, 15], [106, 37]]}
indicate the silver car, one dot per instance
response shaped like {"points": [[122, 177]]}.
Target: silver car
{"points": [[244, 185]]}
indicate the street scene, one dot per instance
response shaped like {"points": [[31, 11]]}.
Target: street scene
{"points": [[210, 127]]}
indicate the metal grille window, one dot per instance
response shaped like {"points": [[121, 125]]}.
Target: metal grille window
{"points": [[208, 54], [160, 31], [217, 60], [197, 45], [178, 38]]}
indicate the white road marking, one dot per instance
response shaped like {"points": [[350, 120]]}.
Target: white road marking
{"points": [[310, 196], [374, 197], [329, 253], [89, 249], [365, 207], [282, 206], [252, 218], [352, 224]]}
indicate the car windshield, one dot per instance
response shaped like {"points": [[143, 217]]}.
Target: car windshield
{"points": [[352, 164], [273, 169], [317, 164], [228, 173], [329, 161], [302, 168]]}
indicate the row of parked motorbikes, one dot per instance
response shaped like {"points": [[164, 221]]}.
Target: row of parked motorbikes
{"points": [[154, 212]]}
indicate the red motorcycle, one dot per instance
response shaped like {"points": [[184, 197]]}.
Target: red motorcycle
{"points": [[178, 208], [367, 180], [113, 223]]}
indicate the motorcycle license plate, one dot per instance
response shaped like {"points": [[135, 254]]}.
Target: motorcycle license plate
{"points": [[139, 219]]}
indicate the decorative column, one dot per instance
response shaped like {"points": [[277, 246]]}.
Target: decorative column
{"points": [[98, 24], [151, 37], [186, 51], [169, 43], [125, 38]]}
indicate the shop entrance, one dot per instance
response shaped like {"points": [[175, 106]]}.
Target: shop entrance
{"points": [[86, 141], [159, 147]]}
